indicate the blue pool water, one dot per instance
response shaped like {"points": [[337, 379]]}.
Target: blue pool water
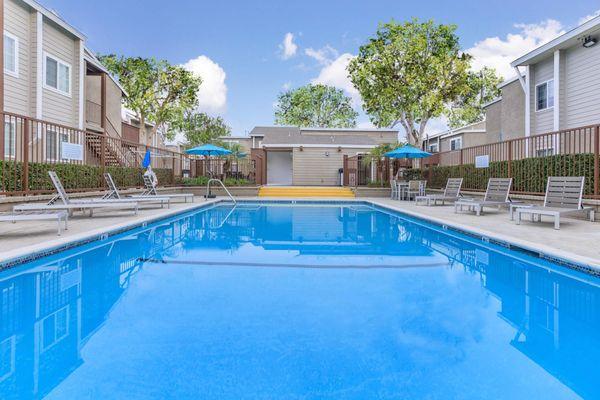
{"points": [[297, 302]]}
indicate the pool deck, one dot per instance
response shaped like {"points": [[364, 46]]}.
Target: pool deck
{"points": [[577, 240]]}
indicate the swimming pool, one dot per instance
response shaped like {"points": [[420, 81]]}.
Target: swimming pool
{"points": [[306, 301]]}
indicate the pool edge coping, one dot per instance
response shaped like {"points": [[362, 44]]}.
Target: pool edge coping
{"points": [[564, 258]]}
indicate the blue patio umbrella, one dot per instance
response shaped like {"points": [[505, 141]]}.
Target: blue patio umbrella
{"points": [[208, 150], [147, 160], [407, 151]]}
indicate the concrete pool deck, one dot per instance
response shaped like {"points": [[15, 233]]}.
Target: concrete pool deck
{"points": [[577, 240]]}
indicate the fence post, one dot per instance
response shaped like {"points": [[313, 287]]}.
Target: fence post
{"points": [[509, 143], [346, 172], [173, 171], [25, 180], [596, 159]]}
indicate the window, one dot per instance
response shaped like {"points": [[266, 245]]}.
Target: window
{"points": [[456, 143], [10, 139], [433, 148], [544, 95], [11, 51], [55, 327], [53, 144], [57, 75]]}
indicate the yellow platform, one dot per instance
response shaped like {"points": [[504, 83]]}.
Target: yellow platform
{"points": [[305, 191]]}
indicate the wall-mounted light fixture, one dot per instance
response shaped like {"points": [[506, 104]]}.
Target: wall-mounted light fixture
{"points": [[326, 154], [589, 41], [301, 148], [339, 149]]}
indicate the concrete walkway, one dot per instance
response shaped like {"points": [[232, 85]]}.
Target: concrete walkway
{"points": [[577, 240], [26, 237]]}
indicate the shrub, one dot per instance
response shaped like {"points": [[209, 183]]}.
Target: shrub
{"points": [[529, 174]]}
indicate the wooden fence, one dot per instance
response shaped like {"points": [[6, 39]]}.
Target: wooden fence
{"points": [[528, 160], [30, 147]]}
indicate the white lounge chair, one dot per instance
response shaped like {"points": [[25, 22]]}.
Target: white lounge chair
{"points": [[496, 195], [150, 190], [451, 193], [564, 196], [113, 194], [60, 217], [71, 205]]}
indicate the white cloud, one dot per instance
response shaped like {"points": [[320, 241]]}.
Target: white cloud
{"points": [[286, 86], [288, 47], [324, 55], [335, 73], [499, 53], [585, 19], [212, 96]]}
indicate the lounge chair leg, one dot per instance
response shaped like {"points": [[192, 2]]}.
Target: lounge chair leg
{"points": [[478, 211], [592, 215], [518, 221], [556, 222]]}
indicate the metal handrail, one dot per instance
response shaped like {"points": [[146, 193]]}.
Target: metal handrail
{"points": [[222, 185]]}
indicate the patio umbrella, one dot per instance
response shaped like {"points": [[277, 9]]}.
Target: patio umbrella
{"points": [[407, 151], [208, 150]]}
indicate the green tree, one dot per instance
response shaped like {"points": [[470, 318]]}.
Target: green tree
{"points": [[158, 92], [377, 156], [318, 106], [468, 108], [200, 128], [237, 150], [408, 73]]}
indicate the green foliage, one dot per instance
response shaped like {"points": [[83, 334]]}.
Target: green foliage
{"points": [[318, 106], [237, 150], [73, 176], [158, 92], [201, 128], [203, 180], [468, 108], [408, 73], [529, 174], [377, 154]]}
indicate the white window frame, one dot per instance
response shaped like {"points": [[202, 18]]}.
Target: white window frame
{"points": [[432, 146], [58, 63], [58, 149], [13, 125], [549, 95], [14, 73], [12, 341], [454, 140], [56, 339]]}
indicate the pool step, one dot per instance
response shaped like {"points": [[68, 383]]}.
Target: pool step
{"points": [[305, 191]]}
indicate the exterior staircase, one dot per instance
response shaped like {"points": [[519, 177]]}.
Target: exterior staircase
{"points": [[306, 191]]}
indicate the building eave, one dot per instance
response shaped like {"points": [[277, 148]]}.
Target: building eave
{"points": [[563, 41], [55, 18]]}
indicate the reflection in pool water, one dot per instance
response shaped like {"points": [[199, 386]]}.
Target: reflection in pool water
{"points": [[305, 301]]}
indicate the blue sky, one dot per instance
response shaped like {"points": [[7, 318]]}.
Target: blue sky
{"points": [[238, 46]]}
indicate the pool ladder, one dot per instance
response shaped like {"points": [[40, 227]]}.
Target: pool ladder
{"points": [[211, 180]]}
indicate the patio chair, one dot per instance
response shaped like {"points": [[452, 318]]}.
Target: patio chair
{"points": [[71, 205], [150, 190], [60, 217], [496, 195], [394, 194], [113, 193], [564, 196], [451, 193], [415, 189]]}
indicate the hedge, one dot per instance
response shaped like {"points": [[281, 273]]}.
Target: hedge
{"points": [[529, 174], [73, 176]]}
